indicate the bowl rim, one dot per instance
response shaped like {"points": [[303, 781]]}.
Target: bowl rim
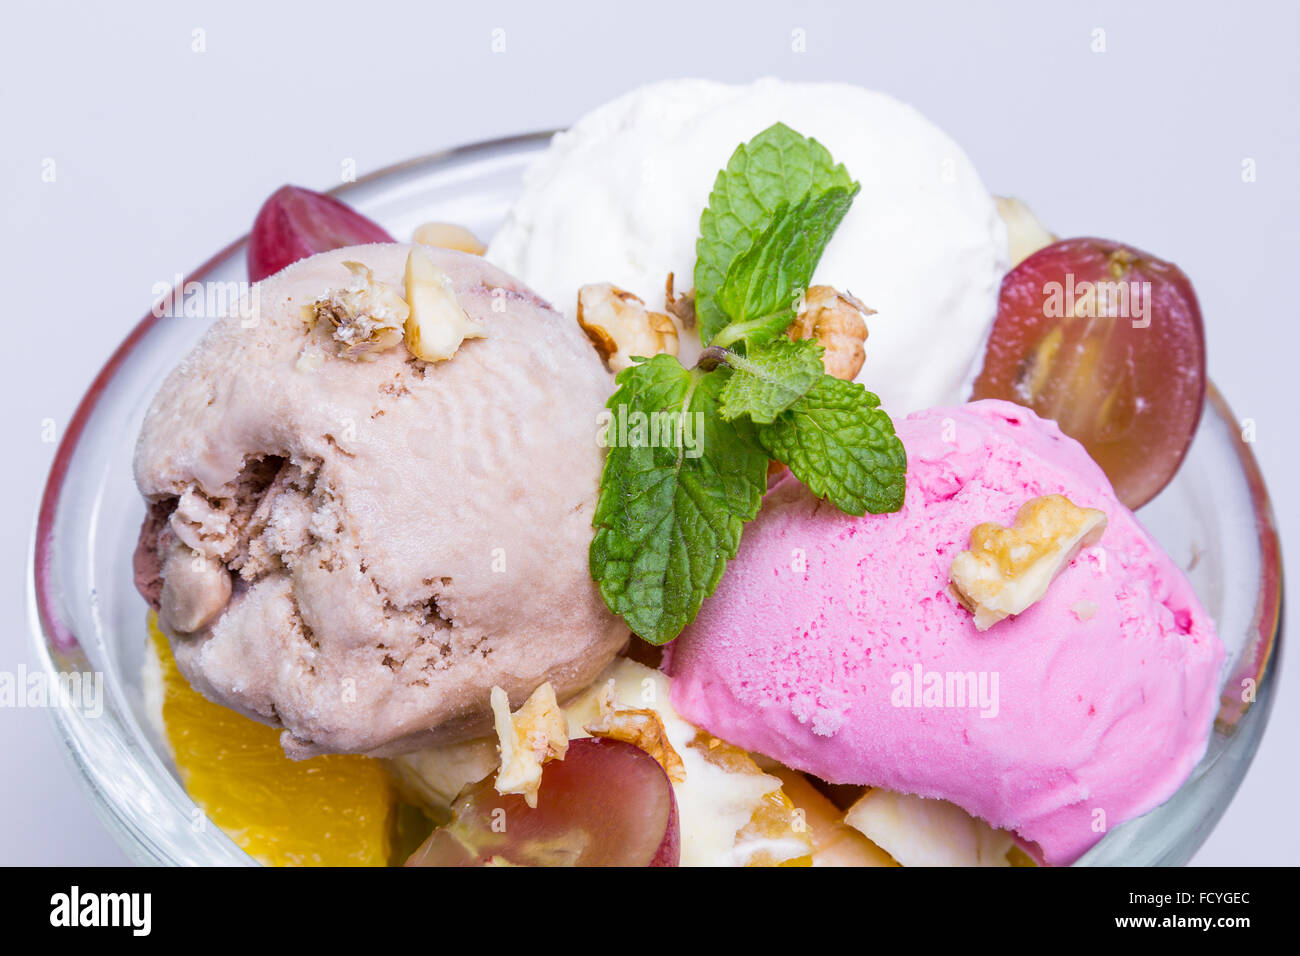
{"points": [[59, 639], [1266, 623]]}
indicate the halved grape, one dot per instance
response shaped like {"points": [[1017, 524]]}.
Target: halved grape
{"points": [[607, 803], [1107, 341], [296, 223]]}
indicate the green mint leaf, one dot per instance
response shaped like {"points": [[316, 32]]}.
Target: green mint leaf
{"points": [[670, 510], [763, 284], [770, 379], [778, 166], [839, 442]]}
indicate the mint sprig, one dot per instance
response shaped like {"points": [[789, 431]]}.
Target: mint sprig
{"points": [[670, 511], [777, 167], [839, 442], [689, 448], [763, 284], [770, 379]]}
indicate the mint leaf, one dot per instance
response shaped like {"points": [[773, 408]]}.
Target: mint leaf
{"points": [[839, 442], [763, 283], [670, 511], [689, 448], [778, 166], [770, 379]]}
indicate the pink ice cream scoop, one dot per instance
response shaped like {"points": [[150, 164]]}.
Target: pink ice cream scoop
{"points": [[834, 644]]}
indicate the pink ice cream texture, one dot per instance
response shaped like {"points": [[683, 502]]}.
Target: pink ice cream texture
{"points": [[822, 644]]}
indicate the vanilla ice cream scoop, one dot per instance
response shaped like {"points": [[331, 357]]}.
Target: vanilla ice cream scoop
{"points": [[358, 549], [617, 198]]}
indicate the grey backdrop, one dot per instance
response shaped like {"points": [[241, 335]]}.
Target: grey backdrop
{"points": [[164, 153]]}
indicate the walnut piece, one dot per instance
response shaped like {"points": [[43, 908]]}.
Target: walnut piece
{"points": [[437, 325], [620, 326], [366, 316], [838, 321], [1008, 569], [448, 235], [641, 728], [529, 737]]}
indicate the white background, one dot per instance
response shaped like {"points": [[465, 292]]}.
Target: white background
{"points": [[163, 154]]}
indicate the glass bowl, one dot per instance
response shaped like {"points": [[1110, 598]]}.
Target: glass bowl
{"points": [[86, 617]]}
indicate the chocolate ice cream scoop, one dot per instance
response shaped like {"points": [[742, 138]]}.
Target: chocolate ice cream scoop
{"points": [[357, 545]]}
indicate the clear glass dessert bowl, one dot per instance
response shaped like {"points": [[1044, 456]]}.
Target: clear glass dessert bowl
{"points": [[86, 617]]}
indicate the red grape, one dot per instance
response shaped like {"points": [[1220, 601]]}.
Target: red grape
{"points": [[607, 803], [1107, 341], [296, 223]]}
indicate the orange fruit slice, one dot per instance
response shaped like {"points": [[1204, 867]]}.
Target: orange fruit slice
{"points": [[326, 811]]}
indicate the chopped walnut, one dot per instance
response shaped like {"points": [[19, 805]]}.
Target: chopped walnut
{"points": [[1008, 569], [437, 325], [620, 326], [682, 306], [448, 235], [366, 316], [529, 737], [838, 321], [641, 728]]}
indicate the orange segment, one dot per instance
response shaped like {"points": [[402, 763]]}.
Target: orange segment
{"points": [[326, 811]]}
